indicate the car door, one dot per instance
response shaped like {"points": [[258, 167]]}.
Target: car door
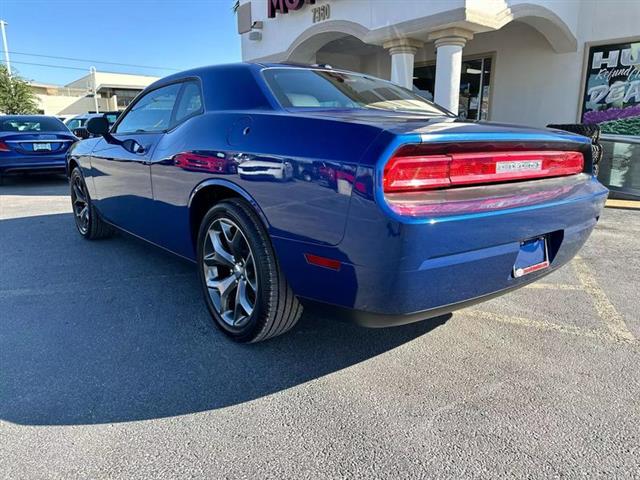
{"points": [[121, 161]]}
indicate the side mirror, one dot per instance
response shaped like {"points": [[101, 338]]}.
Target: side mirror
{"points": [[81, 132], [98, 126]]}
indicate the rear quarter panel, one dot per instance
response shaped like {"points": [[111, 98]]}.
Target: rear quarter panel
{"points": [[306, 207]]}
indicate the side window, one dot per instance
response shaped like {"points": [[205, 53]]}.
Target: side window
{"points": [[152, 113], [190, 102]]}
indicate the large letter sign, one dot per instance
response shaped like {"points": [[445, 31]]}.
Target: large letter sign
{"points": [[283, 6], [612, 88]]}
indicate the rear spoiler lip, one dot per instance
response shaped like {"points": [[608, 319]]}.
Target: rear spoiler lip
{"points": [[559, 137]]}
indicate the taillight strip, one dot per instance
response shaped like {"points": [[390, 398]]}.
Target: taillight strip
{"points": [[425, 172]]}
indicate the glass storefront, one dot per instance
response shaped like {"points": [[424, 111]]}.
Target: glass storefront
{"points": [[620, 166], [475, 81], [612, 101]]}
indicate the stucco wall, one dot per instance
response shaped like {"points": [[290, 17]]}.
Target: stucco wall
{"points": [[64, 105], [531, 83]]}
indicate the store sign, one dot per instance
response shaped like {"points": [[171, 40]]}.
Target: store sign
{"points": [[612, 88], [283, 6]]}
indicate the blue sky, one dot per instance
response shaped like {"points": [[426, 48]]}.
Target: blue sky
{"points": [[173, 34]]}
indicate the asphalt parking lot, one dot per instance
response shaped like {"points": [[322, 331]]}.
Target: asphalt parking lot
{"points": [[109, 369]]}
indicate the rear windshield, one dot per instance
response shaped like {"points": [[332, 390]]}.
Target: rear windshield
{"points": [[45, 124], [305, 88]]}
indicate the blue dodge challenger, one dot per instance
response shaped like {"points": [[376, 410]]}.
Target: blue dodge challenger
{"points": [[288, 184]]}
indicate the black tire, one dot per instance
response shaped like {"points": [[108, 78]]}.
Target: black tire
{"points": [[89, 225], [276, 309]]}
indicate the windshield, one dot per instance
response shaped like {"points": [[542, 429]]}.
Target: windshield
{"points": [[305, 88], [44, 124]]}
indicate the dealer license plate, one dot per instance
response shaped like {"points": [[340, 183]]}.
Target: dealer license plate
{"points": [[532, 257], [519, 166]]}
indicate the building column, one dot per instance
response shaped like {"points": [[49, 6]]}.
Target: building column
{"points": [[449, 44], [403, 52]]}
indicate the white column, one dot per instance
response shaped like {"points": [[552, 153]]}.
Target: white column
{"points": [[449, 44], [403, 52]]}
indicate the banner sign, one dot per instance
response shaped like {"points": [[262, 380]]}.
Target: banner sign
{"points": [[612, 88]]}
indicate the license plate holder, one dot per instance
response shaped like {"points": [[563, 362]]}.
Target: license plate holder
{"points": [[46, 147], [532, 257]]}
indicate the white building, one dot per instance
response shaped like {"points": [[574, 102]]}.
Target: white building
{"points": [[531, 62], [504, 60], [114, 93]]}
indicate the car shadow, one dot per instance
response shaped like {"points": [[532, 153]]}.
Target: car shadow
{"points": [[116, 331], [34, 184]]}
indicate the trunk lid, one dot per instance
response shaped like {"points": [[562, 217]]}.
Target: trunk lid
{"points": [[42, 143], [444, 129]]}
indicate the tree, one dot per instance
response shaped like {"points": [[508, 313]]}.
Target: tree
{"points": [[16, 95]]}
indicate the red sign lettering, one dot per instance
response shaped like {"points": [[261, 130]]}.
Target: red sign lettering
{"points": [[283, 6]]}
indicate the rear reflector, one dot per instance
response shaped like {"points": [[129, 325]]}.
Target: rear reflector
{"points": [[322, 261], [425, 172]]}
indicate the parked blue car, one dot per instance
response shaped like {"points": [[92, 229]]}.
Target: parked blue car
{"points": [[33, 143], [289, 184]]}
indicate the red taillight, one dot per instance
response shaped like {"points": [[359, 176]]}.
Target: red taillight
{"points": [[423, 172], [4, 147], [416, 173]]}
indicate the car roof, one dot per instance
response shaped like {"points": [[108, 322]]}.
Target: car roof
{"points": [[251, 66], [201, 72]]}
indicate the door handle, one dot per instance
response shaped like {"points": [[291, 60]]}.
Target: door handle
{"points": [[132, 146]]}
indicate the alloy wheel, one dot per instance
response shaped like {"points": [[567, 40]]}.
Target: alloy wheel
{"points": [[79, 200], [229, 272]]}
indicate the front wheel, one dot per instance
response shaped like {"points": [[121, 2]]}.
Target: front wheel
{"points": [[244, 289], [87, 218]]}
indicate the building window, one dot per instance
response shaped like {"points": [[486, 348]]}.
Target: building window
{"points": [[475, 84], [125, 97]]}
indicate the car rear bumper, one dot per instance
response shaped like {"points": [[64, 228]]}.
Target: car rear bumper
{"points": [[455, 281], [395, 273], [382, 320], [53, 163]]}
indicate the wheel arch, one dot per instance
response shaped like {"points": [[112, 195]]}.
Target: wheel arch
{"points": [[210, 192], [71, 164]]}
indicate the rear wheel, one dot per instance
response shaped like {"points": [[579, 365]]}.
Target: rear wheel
{"points": [[245, 291], [87, 218]]}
